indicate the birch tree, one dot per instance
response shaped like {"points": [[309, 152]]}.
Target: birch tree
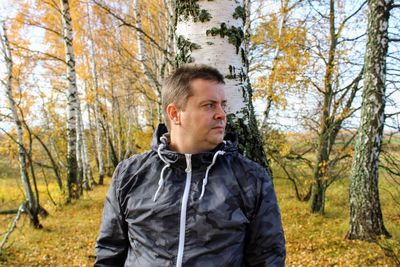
{"points": [[366, 220], [32, 205], [72, 103], [154, 80], [97, 116], [212, 33]]}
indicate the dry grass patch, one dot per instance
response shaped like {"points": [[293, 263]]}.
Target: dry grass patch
{"points": [[67, 238], [69, 233], [314, 240]]}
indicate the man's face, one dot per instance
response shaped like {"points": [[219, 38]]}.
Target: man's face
{"points": [[203, 118]]}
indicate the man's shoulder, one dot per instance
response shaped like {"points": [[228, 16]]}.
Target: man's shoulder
{"points": [[248, 170], [246, 163], [135, 160], [132, 164]]}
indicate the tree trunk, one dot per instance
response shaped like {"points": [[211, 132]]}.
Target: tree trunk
{"points": [[212, 32], [82, 177], [97, 115], [79, 159], [91, 139], [53, 146], [110, 133], [72, 102], [53, 163], [32, 204], [366, 220], [87, 173], [128, 148], [320, 174], [151, 77]]}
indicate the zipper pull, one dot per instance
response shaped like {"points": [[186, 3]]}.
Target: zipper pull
{"points": [[188, 163]]}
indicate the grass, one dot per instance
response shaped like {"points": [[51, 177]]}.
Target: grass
{"points": [[315, 240], [69, 233], [67, 238]]}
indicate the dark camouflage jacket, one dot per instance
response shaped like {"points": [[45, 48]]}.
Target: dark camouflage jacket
{"points": [[209, 209]]}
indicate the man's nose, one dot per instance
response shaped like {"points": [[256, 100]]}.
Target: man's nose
{"points": [[220, 113]]}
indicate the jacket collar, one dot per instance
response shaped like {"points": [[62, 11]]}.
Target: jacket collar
{"points": [[161, 138]]}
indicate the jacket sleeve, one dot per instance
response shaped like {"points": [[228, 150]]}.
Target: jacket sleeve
{"points": [[112, 243], [265, 241]]}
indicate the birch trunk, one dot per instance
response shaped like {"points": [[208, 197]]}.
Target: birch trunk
{"points": [[366, 220], [212, 33], [84, 157], [113, 136], [129, 110], [72, 172], [32, 204], [151, 77], [97, 115], [91, 139], [79, 158], [169, 37], [87, 169], [12, 226]]}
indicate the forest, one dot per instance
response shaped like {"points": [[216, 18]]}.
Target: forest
{"points": [[313, 94]]}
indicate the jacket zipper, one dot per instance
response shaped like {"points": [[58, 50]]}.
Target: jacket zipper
{"points": [[185, 198]]}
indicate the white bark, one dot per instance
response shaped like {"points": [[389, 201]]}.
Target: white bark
{"points": [[8, 84], [366, 219], [72, 99], [86, 168], [129, 109], [212, 33], [97, 115], [217, 51], [88, 173], [151, 76], [79, 143], [92, 140], [169, 34], [12, 226]]}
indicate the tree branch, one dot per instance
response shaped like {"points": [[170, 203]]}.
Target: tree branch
{"points": [[41, 53], [13, 225], [100, 4]]}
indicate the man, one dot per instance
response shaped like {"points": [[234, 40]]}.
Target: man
{"points": [[192, 200]]}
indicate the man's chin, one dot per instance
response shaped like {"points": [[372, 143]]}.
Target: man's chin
{"points": [[218, 139]]}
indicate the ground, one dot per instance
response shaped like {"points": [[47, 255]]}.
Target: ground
{"points": [[69, 232]]}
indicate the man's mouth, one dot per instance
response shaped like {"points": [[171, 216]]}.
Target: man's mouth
{"points": [[218, 127]]}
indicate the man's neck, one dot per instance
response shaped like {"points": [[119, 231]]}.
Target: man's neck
{"points": [[184, 146]]}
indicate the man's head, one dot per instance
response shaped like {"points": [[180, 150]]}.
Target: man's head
{"points": [[193, 99]]}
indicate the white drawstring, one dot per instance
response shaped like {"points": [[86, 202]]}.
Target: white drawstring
{"points": [[167, 164], [205, 180], [160, 182]]}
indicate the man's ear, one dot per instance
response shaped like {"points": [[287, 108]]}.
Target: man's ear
{"points": [[173, 114]]}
